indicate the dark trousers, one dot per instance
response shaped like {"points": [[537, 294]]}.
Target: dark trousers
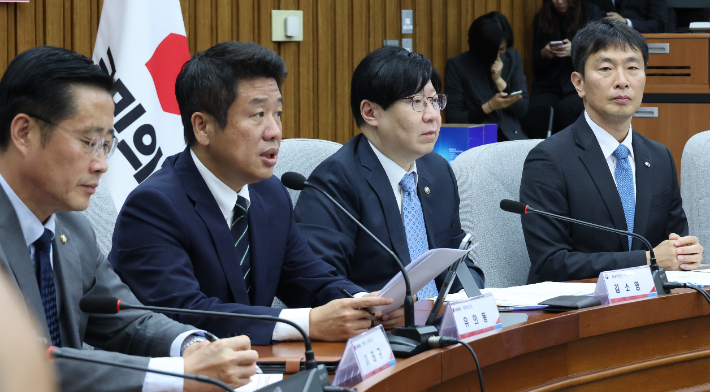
{"points": [[567, 107]]}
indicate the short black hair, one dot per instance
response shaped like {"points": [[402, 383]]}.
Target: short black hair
{"points": [[209, 81], [388, 74], [485, 36], [40, 82], [602, 34]]}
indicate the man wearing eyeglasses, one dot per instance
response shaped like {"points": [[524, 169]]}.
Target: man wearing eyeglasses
{"points": [[56, 132], [387, 177]]}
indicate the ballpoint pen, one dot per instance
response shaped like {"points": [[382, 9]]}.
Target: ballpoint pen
{"points": [[345, 293]]}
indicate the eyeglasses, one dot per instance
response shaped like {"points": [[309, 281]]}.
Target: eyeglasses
{"points": [[419, 102], [93, 145]]}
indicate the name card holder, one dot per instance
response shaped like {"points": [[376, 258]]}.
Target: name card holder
{"points": [[469, 317], [625, 285], [364, 356]]}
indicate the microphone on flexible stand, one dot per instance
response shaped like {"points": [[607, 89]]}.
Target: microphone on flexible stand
{"points": [[313, 379], [54, 353], [659, 274], [405, 341]]}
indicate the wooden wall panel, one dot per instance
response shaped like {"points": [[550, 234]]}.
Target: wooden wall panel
{"points": [[337, 35]]}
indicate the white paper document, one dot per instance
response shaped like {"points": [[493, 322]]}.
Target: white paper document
{"points": [[260, 381], [690, 277], [533, 294], [421, 271]]}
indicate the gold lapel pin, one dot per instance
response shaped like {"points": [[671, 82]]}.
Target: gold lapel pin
{"points": [[648, 164], [63, 238], [427, 190]]}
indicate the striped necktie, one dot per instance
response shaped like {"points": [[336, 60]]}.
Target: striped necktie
{"points": [[240, 232], [45, 279]]}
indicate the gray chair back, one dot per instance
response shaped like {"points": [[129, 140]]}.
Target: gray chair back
{"points": [[486, 175], [302, 156], [695, 186], [102, 214]]}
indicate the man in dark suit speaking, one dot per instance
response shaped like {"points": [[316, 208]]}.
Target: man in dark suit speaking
{"points": [[56, 132], [387, 177], [213, 229], [599, 170]]}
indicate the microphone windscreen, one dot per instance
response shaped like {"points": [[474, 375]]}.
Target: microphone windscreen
{"points": [[100, 305], [293, 180], [513, 206]]}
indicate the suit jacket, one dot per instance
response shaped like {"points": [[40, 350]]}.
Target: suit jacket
{"points": [[469, 86], [173, 247], [568, 175], [81, 270], [357, 180], [647, 16]]}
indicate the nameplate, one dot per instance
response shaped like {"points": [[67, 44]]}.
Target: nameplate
{"points": [[625, 285], [469, 317], [364, 356]]}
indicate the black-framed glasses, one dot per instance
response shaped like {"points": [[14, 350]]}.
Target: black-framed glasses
{"points": [[419, 102], [94, 145]]}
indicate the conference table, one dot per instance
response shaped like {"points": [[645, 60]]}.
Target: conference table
{"points": [[653, 344]]}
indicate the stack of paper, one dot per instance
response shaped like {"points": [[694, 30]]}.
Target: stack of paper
{"points": [[696, 278], [260, 381], [533, 294]]}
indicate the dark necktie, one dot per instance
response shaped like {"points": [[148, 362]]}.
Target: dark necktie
{"points": [[617, 4], [240, 232], [45, 279]]}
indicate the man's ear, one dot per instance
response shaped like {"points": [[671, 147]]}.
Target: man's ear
{"points": [[370, 112], [203, 126], [578, 82], [23, 131]]}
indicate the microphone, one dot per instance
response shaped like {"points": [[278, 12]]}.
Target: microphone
{"points": [[111, 305], [659, 274], [54, 352], [405, 341]]}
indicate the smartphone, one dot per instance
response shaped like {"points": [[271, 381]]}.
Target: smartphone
{"points": [[556, 43], [515, 93]]}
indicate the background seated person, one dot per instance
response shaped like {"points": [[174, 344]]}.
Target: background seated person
{"points": [[558, 21], [599, 170], [213, 229], [646, 16], [387, 177], [479, 80]]}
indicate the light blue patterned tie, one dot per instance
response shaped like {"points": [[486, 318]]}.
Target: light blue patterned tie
{"points": [[414, 228], [625, 186]]}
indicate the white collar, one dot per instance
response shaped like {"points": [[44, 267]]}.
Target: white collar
{"points": [[225, 196], [393, 170], [31, 226], [608, 143]]}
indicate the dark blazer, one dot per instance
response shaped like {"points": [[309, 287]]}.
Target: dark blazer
{"points": [[567, 174], [554, 75], [647, 16], [80, 270], [357, 180], [469, 86], [173, 247]]}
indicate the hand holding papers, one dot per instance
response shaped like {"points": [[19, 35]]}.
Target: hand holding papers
{"points": [[421, 271]]}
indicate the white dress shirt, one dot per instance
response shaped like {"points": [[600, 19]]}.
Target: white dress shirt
{"points": [[609, 144], [394, 174], [32, 230], [226, 199]]}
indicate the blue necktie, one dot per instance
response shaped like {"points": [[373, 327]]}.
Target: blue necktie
{"points": [[45, 279], [417, 241], [240, 232], [625, 186]]}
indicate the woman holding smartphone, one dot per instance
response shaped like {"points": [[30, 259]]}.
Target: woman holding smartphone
{"points": [[554, 26], [486, 84]]}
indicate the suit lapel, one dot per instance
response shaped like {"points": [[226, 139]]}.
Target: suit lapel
{"points": [[598, 169], [643, 187], [259, 250], [70, 293], [17, 258], [208, 210], [381, 186], [423, 184], [482, 85]]}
